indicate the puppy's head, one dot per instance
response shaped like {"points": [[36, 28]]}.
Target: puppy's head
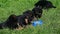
{"points": [[37, 12]]}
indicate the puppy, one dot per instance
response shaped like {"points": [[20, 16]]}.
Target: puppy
{"points": [[44, 4]]}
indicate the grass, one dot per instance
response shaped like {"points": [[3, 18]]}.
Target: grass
{"points": [[51, 19]]}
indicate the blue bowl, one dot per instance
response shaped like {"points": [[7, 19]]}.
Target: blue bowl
{"points": [[38, 22]]}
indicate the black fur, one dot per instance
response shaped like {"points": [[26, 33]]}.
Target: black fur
{"points": [[37, 12], [10, 23], [2, 25], [29, 15], [44, 4], [26, 15], [21, 20]]}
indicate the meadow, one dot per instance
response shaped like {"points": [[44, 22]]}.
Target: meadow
{"points": [[51, 18]]}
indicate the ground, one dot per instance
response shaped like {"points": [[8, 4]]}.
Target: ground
{"points": [[51, 18]]}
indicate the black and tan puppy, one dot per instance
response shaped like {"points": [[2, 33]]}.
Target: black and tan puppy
{"points": [[44, 4]]}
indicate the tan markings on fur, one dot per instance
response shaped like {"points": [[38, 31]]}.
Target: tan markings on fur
{"points": [[18, 24], [19, 27], [35, 18], [26, 20]]}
